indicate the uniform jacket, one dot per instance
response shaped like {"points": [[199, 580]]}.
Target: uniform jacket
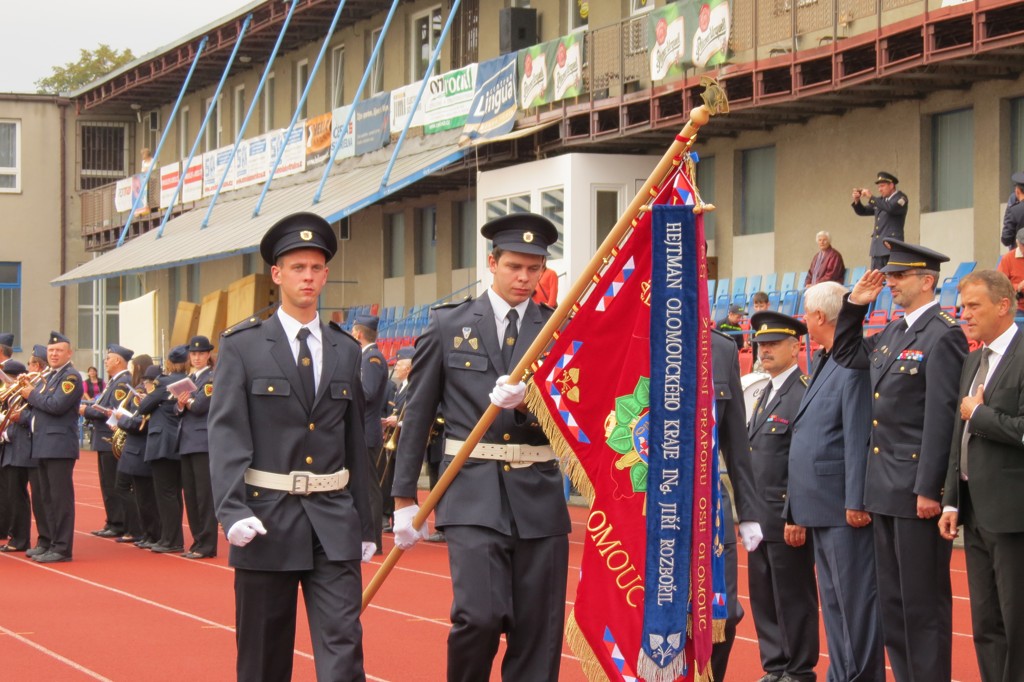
{"points": [[54, 419], [162, 408], [995, 450], [770, 433], [259, 419], [374, 377], [914, 382], [133, 454], [734, 445], [110, 398], [192, 432], [1013, 220], [829, 447], [890, 214], [17, 450], [458, 361]]}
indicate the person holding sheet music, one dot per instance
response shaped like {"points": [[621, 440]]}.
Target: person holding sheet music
{"points": [[194, 448]]}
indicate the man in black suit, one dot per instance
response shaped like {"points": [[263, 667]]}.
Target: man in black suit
{"points": [[288, 467], [115, 503], [890, 212], [54, 425], [985, 482], [504, 516], [781, 571], [914, 364], [374, 376]]}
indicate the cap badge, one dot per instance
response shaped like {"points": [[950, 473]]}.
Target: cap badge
{"points": [[305, 235], [764, 328], [528, 237]]}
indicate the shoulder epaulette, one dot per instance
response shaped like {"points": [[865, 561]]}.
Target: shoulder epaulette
{"points": [[722, 334], [338, 328], [452, 304], [805, 380], [247, 323], [948, 319]]}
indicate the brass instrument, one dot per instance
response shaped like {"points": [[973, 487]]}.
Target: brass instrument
{"points": [[12, 394], [391, 436], [436, 429], [120, 436]]}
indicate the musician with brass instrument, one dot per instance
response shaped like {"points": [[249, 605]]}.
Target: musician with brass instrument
{"points": [[6, 352], [130, 440], [116, 505], [16, 463], [55, 439]]}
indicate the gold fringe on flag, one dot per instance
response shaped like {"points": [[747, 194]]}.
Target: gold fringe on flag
{"points": [[579, 645], [570, 465], [718, 631], [704, 676]]}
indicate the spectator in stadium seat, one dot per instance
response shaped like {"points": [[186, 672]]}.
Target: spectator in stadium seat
{"points": [[827, 265], [731, 323], [1012, 265]]}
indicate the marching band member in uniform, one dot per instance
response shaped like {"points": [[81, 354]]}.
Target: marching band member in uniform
{"points": [[17, 462], [132, 463], [194, 448]]}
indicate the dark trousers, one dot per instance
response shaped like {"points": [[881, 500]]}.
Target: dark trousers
{"points": [[195, 483], [996, 588], [15, 489], [784, 601], [113, 500], [845, 561], [44, 534], [167, 486], [57, 490], [376, 497], [145, 503], [5, 504], [915, 596], [126, 501], [505, 584], [265, 604]]}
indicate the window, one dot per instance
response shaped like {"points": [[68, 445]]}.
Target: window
{"points": [[183, 145], [337, 77], [86, 314], [464, 235], [426, 240], [706, 186], [953, 160], [10, 156], [606, 212], [153, 129], [395, 246], [10, 299], [213, 125], [377, 73], [301, 79], [426, 31], [104, 153], [1017, 134], [579, 10], [268, 103], [238, 110], [552, 207], [757, 191]]}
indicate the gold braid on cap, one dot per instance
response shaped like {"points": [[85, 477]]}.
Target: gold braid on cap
{"points": [[907, 265], [791, 332]]}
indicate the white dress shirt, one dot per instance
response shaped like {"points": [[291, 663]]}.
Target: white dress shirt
{"points": [[314, 341], [501, 307]]}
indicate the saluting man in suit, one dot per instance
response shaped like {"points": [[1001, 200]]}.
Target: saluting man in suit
{"points": [[54, 425], [781, 571], [985, 481], [827, 463], [504, 516], [289, 469], [890, 212], [914, 365], [374, 377]]}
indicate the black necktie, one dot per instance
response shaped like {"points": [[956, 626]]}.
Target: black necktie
{"points": [[979, 379], [511, 336], [306, 367], [765, 397]]}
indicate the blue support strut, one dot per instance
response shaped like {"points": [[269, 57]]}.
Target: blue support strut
{"points": [[163, 139]]}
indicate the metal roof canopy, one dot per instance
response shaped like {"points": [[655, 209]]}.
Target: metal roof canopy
{"points": [[234, 231]]}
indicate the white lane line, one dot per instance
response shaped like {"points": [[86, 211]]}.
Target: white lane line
{"points": [[54, 655]]}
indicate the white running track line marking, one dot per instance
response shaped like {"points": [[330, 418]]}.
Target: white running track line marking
{"points": [[54, 655]]}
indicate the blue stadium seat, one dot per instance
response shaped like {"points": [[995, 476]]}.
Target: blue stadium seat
{"points": [[722, 288], [789, 282], [754, 284], [711, 288], [722, 306], [855, 274], [884, 302], [800, 279], [790, 301], [964, 269], [774, 300], [740, 300], [948, 295], [771, 282], [739, 286]]}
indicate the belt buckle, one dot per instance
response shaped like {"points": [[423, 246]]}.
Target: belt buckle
{"points": [[300, 484]]}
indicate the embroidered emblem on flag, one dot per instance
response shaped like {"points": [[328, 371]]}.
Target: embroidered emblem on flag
{"points": [[613, 288], [562, 387], [617, 657]]}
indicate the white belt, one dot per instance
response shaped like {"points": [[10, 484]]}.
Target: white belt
{"points": [[298, 482], [513, 453]]}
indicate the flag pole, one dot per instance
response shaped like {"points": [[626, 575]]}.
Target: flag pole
{"points": [[714, 102]]}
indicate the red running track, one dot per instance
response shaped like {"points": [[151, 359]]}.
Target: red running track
{"points": [[124, 614]]}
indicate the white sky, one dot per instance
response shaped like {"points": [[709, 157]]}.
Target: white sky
{"points": [[36, 35]]}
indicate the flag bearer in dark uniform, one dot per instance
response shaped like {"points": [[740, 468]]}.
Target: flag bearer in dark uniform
{"points": [[114, 502], [194, 448], [289, 468], [16, 460], [783, 591], [504, 516], [54, 427], [374, 376], [915, 365], [890, 213]]}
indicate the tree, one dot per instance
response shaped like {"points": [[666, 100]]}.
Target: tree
{"points": [[89, 67]]}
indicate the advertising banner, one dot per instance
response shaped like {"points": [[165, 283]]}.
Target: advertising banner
{"points": [[193, 187], [551, 71], [372, 118], [214, 164], [168, 181], [318, 139], [688, 34], [348, 140], [444, 104], [294, 159], [125, 193], [252, 162], [492, 112]]}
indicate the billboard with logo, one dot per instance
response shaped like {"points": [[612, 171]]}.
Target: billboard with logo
{"points": [[551, 71], [688, 34]]}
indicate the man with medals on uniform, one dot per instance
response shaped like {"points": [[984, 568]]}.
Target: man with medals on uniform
{"points": [[54, 424], [889, 210], [116, 505], [289, 470], [783, 591], [504, 515], [374, 376], [914, 364]]}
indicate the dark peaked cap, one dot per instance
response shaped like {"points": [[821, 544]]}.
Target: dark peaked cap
{"points": [[298, 231], [904, 256], [521, 232]]}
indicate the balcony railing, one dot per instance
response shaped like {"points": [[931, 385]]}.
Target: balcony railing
{"points": [[102, 222]]}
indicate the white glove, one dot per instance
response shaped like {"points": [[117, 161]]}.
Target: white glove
{"points": [[508, 396], [405, 535], [750, 535], [368, 550], [242, 532]]}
